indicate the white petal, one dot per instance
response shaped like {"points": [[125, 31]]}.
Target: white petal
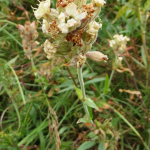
{"points": [[71, 22], [63, 27], [71, 9], [80, 16], [61, 17]]}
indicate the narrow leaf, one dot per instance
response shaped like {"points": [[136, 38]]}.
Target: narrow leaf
{"points": [[13, 60], [86, 145], [121, 11], [136, 61], [94, 80], [90, 103], [106, 87], [79, 93], [101, 146], [83, 120]]}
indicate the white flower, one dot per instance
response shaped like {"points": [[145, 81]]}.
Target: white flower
{"points": [[49, 49], [93, 28], [119, 61], [71, 22], [62, 17], [99, 3], [63, 27], [44, 7], [119, 42], [45, 26], [112, 43], [71, 10], [70, 18]]}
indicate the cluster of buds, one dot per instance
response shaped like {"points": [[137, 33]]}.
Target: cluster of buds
{"points": [[28, 34], [71, 26], [119, 43]]}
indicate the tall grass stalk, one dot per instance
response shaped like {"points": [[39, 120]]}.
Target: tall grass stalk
{"points": [[20, 88]]}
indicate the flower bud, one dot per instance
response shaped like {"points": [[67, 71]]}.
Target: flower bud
{"points": [[99, 3], [119, 61], [97, 56]]}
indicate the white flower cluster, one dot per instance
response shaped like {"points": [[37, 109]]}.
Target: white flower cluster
{"points": [[71, 26], [119, 43]]}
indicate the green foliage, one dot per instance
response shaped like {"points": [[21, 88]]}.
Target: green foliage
{"points": [[31, 104]]}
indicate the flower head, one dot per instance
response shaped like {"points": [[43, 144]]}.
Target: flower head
{"points": [[119, 43], [49, 49], [93, 28], [71, 26]]}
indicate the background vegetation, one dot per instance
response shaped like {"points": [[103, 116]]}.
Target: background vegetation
{"points": [[52, 107]]}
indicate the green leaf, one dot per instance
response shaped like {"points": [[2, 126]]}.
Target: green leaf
{"points": [[42, 140], [115, 121], [106, 87], [101, 146], [66, 84], [83, 120], [62, 130], [136, 61], [13, 60], [146, 5], [90, 103], [90, 112], [79, 93], [66, 89], [86, 145], [122, 11], [143, 56], [95, 80]]}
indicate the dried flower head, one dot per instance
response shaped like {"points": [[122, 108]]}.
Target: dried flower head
{"points": [[28, 34]]}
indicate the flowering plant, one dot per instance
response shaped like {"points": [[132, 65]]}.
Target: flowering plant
{"points": [[72, 30]]}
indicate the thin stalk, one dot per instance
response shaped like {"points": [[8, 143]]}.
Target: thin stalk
{"points": [[71, 76], [21, 91], [80, 77], [33, 66], [113, 70], [111, 76], [134, 80], [143, 35]]}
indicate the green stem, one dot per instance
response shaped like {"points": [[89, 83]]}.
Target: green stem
{"points": [[33, 66], [80, 77], [143, 35], [111, 76]]}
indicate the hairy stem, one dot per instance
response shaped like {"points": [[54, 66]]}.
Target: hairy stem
{"points": [[80, 77]]}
